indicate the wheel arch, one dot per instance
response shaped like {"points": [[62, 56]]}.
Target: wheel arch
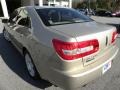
{"points": [[24, 50]]}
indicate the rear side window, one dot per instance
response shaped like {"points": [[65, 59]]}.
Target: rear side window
{"points": [[23, 18], [60, 16]]}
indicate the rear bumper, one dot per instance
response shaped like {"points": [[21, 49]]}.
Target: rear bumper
{"points": [[75, 79]]}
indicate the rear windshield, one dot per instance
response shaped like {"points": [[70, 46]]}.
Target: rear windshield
{"points": [[60, 16]]}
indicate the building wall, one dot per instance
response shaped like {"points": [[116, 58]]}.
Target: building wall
{"points": [[45, 2], [27, 2], [36, 2], [59, 3]]}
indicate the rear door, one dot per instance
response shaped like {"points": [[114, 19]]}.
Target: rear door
{"points": [[21, 29], [12, 24]]}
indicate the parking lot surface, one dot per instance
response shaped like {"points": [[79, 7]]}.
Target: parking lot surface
{"points": [[106, 20], [13, 74]]}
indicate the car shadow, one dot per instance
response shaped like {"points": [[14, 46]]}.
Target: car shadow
{"points": [[16, 63]]}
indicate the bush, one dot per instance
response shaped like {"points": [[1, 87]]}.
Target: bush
{"points": [[111, 5]]}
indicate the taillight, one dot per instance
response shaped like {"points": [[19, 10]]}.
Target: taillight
{"points": [[75, 50], [114, 36]]}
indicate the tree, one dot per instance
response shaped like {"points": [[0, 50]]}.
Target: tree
{"points": [[111, 5]]}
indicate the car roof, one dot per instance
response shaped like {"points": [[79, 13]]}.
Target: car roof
{"points": [[42, 7]]}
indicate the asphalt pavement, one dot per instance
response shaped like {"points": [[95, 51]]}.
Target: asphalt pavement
{"points": [[14, 76], [106, 20]]}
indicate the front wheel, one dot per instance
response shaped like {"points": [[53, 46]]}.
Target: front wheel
{"points": [[6, 35], [30, 66]]}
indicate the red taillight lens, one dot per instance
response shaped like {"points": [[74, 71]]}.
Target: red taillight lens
{"points": [[75, 50], [114, 36]]}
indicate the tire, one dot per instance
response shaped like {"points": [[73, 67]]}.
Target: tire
{"points": [[30, 66], [6, 35]]}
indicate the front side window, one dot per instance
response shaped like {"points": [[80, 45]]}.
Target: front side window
{"points": [[13, 16], [60, 16]]}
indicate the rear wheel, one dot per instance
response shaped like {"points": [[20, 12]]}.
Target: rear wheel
{"points": [[30, 66], [6, 35]]}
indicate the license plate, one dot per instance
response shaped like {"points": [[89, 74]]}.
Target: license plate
{"points": [[106, 67]]}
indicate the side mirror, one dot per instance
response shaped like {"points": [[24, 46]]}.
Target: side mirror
{"points": [[4, 20]]}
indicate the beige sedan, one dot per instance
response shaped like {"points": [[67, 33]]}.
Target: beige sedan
{"points": [[61, 45]]}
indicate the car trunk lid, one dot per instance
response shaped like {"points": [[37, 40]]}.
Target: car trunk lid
{"points": [[89, 31]]}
